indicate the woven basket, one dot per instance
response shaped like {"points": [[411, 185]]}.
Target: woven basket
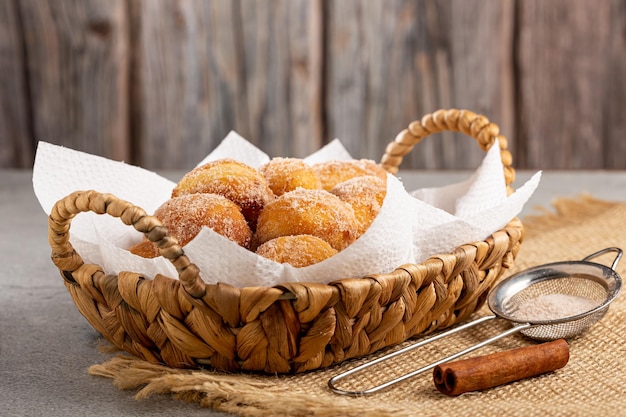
{"points": [[291, 327]]}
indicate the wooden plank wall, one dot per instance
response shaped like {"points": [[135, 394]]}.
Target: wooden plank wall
{"points": [[159, 83]]}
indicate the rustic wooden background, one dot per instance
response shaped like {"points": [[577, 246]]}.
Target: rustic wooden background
{"points": [[159, 83]]}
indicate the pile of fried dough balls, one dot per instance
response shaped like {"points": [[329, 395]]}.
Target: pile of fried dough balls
{"points": [[287, 210]]}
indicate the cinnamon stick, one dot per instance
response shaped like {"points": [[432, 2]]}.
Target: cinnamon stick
{"points": [[489, 371]]}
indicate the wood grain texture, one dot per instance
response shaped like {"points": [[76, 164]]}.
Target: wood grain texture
{"points": [[206, 68], [279, 86], [613, 129], [391, 62], [78, 73], [16, 148], [563, 68], [160, 83], [171, 94], [482, 69]]}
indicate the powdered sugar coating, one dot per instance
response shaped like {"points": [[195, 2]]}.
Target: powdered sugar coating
{"points": [[309, 212], [238, 182], [366, 195], [287, 174], [184, 217], [332, 173], [298, 251]]}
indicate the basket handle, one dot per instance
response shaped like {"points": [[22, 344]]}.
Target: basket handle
{"points": [[68, 260], [464, 121]]}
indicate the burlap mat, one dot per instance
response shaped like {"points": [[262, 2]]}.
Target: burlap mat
{"points": [[592, 383]]}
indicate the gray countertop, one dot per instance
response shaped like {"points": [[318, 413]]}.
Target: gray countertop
{"points": [[46, 346]]}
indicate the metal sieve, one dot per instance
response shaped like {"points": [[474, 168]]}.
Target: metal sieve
{"points": [[589, 280]]}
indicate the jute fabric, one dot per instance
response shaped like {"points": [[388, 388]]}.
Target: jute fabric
{"points": [[593, 383]]}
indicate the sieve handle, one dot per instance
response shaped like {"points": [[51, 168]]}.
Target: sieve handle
{"points": [[332, 382], [607, 250]]}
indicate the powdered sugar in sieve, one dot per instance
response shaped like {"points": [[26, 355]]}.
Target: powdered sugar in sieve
{"points": [[554, 306]]}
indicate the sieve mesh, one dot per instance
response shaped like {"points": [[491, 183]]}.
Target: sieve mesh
{"points": [[564, 330], [579, 285]]}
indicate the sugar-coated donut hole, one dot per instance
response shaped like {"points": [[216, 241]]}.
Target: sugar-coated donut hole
{"points": [[332, 173], [145, 249], [238, 182], [185, 215], [365, 194], [287, 174], [309, 212], [298, 251]]}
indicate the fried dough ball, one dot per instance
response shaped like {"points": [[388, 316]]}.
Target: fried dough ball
{"points": [[287, 174], [365, 195], [184, 217], [240, 183], [332, 173], [298, 251], [309, 212], [145, 249]]}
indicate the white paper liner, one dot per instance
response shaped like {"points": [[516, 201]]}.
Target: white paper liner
{"points": [[408, 229]]}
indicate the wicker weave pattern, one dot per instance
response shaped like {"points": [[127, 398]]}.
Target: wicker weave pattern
{"points": [[292, 327]]}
